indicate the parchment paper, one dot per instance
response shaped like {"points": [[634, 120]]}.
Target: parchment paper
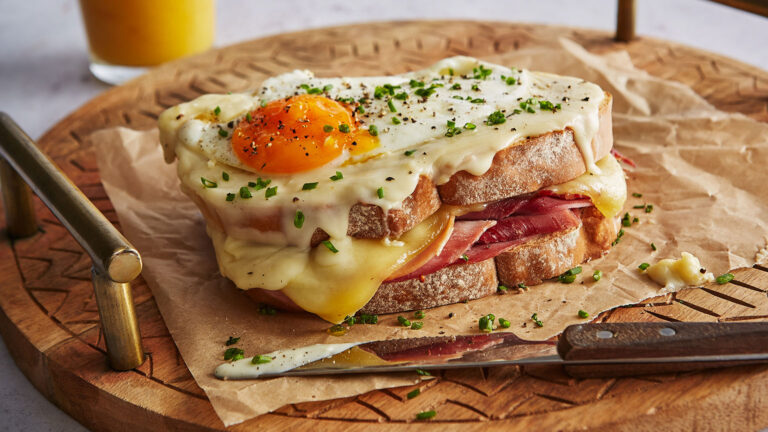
{"points": [[702, 169]]}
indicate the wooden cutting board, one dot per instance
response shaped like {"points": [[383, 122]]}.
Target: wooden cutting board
{"points": [[50, 322]]}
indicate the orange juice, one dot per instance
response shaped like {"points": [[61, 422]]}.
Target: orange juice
{"points": [[147, 32]]}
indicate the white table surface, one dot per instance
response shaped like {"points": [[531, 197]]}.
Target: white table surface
{"points": [[44, 76]]}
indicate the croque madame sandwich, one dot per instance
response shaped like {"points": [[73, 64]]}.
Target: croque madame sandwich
{"points": [[388, 194]]}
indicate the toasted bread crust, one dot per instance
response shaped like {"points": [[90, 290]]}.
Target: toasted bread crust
{"points": [[550, 255], [453, 284], [529, 165]]}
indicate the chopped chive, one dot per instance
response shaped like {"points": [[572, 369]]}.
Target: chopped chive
{"points": [[380, 192], [270, 192], [223, 133], [504, 323], [417, 325], [298, 219], [337, 330], [502, 288], [423, 372], [535, 319], [309, 186], [368, 319], [496, 118], [350, 320], [570, 275], [465, 257], [265, 309], [208, 184], [259, 184], [469, 126], [373, 130], [344, 128], [327, 128], [327, 87], [456, 86], [403, 321], [233, 354], [261, 359], [653, 246], [724, 279], [245, 193], [225, 175], [420, 314], [395, 120], [232, 340], [263, 103], [409, 152], [597, 275], [391, 106], [230, 197], [248, 117], [330, 246], [521, 285], [337, 176], [639, 206], [626, 221], [217, 110], [426, 415], [643, 266], [415, 84], [583, 314], [413, 394], [450, 71], [637, 195], [649, 208], [635, 220], [360, 109], [485, 323]]}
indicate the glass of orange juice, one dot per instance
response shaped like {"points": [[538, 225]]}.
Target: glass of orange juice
{"points": [[126, 37]]}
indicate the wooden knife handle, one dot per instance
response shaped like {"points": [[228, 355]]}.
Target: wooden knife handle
{"points": [[613, 341]]}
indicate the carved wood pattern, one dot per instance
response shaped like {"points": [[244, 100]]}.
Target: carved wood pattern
{"points": [[51, 325]]}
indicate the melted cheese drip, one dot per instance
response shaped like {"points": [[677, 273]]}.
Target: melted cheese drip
{"points": [[608, 189], [282, 360], [674, 275], [320, 281]]}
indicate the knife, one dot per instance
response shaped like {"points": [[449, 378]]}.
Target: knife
{"points": [[584, 350]]}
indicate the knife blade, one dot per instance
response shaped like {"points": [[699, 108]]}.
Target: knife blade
{"points": [[585, 350]]}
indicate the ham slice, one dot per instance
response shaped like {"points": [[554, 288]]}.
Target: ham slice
{"points": [[465, 234], [497, 210], [517, 227], [442, 348], [546, 204]]}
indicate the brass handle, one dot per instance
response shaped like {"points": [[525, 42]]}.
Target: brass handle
{"points": [[625, 21], [115, 261]]}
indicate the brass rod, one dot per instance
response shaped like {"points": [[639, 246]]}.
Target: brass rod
{"points": [[118, 322], [625, 21], [17, 198], [110, 251]]}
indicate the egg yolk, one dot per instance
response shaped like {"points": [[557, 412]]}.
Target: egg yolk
{"points": [[298, 134]]}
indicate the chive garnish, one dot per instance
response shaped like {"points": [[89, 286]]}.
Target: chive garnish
{"points": [[649, 208], [232, 340], [391, 106], [570, 275], [643, 266], [265, 309], [230, 197], [330, 246], [395, 120], [417, 325], [337, 176], [422, 372], [597, 275], [724, 279], [259, 184], [298, 219], [469, 126], [248, 117], [344, 128], [465, 257], [653, 246], [327, 128], [486, 323], [504, 323], [583, 314], [217, 110], [261, 359], [420, 314], [270, 192], [245, 193], [309, 186], [373, 130], [535, 319], [456, 86], [409, 152], [380, 192], [223, 133], [502, 288], [208, 184], [403, 321], [425, 415], [233, 354], [413, 394], [637, 195], [496, 118], [626, 221], [225, 176]]}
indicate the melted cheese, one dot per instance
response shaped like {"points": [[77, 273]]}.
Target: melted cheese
{"points": [[331, 285], [282, 360], [607, 189], [674, 275]]}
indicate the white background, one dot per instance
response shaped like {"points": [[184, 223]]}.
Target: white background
{"points": [[44, 76]]}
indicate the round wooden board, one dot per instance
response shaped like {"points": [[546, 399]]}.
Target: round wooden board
{"points": [[50, 322]]}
